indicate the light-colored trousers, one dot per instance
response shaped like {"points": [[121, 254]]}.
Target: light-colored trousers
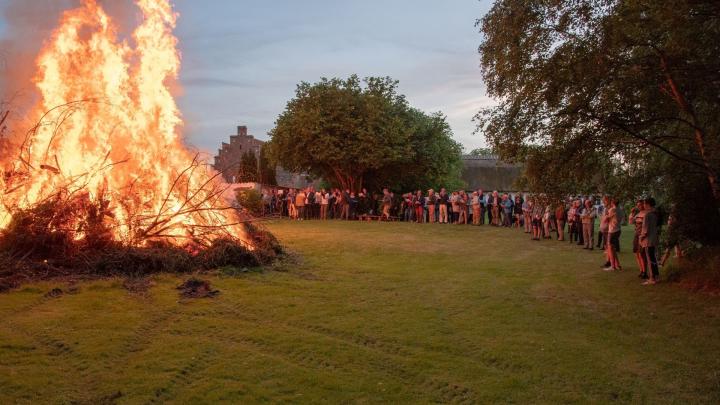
{"points": [[443, 214], [323, 211], [588, 231]]}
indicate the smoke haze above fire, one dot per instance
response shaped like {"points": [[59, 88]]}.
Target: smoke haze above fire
{"points": [[242, 59]]}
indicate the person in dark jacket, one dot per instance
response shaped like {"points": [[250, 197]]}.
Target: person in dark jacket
{"points": [[649, 240]]}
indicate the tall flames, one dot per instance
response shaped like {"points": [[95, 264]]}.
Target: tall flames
{"points": [[108, 134]]}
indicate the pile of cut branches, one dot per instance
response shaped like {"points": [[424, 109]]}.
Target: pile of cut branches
{"points": [[67, 237]]}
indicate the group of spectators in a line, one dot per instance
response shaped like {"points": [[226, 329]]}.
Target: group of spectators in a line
{"points": [[575, 217]]}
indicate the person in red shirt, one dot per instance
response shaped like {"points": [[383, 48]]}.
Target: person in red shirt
{"points": [[560, 219]]}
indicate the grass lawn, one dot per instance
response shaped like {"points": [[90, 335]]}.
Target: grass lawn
{"points": [[373, 312]]}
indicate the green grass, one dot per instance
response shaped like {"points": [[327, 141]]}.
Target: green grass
{"points": [[373, 312]]}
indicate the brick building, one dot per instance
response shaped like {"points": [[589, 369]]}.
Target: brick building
{"points": [[228, 157], [489, 173], [227, 161]]}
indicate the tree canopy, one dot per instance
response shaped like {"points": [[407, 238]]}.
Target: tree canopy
{"points": [[248, 170], [617, 96], [360, 133]]}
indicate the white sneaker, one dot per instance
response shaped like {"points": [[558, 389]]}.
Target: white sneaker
{"points": [[608, 269]]}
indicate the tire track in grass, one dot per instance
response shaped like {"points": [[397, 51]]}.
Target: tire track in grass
{"points": [[60, 354], [54, 347], [29, 306], [391, 360], [143, 334], [141, 337], [185, 377], [389, 346]]}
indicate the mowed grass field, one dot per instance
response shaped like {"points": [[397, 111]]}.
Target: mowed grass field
{"points": [[373, 313]]}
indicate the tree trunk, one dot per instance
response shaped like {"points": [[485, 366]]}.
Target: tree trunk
{"points": [[699, 138]]}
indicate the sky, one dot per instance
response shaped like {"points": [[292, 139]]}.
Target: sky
{"points": [[241, 60]]}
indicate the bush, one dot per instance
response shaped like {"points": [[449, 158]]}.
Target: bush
{"points": [[698, 269], [251, 201]]}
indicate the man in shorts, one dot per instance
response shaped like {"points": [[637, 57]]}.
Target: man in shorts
{"points": [[613, 245]]}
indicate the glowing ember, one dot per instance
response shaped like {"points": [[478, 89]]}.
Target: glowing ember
{"points": [[108, 130]]}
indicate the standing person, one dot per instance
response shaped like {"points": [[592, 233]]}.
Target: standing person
{"points": [[613, 245], [292, 210], [637, 216], [462, 208], [572, 228], [649, 240], [518, 211], [527, 215], [600, 212], [353, 206], [494, 203], [475, 203], [604, 227], [507, 207], [332, 204], [345, 201], [431, 201], [386, 204], [318, 204], [309, 203], [419, 202], [404, 210], [455, 209], [536, 219], [300, 199], [621, 218], [560, 219], [324, 203], [481, 199], [578, 221], [444, 199], [587, 218], [547, 221]]}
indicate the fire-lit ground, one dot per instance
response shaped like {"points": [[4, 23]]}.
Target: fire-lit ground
{"points": [[387, 312]]}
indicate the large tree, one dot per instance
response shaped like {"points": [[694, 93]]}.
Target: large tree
{"points": [[357, 133], [590, 91], [267, 169], [248, 170]]}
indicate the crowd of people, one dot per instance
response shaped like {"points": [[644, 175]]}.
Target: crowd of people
{"points": [[573, 219]]}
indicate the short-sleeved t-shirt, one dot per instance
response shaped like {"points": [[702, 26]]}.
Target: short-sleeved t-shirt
{"points": [[613, 220], [638, 221], [300, 199]]}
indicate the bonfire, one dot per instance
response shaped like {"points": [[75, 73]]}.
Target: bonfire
{"points": [[106, 165]]}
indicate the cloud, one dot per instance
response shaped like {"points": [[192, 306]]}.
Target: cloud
{"points": [[215, 82]]}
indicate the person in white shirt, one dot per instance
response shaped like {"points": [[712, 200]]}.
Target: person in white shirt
{"points": [[324, 201]]}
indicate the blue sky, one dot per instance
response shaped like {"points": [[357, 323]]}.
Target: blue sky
{"points": [[243, 59]]}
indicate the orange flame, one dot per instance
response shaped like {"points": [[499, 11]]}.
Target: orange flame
{"points": [[108, 127]]}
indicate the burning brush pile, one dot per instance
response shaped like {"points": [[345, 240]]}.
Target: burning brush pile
{"points": [[103, 183]]}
